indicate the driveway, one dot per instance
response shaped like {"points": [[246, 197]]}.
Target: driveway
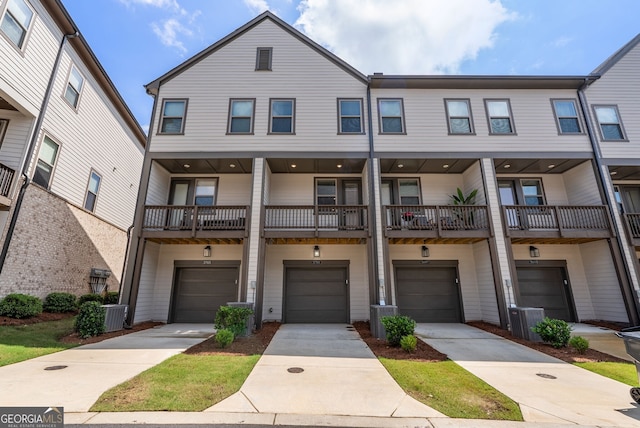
{"points": [[547, 389], [87, 371]]}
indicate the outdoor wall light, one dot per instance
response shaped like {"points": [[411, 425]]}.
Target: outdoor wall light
{"points": [[533, 251], [207, 251], [316, 251], [425, 251]]}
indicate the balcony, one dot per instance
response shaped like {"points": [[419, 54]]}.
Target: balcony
{"points": [[316, 221], [557, 222], [458, 223], [632, 221], [6, 178], [191, 223]]}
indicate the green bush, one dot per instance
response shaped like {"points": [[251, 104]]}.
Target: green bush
{"points": [[396, 327], [90, 319], [91, 297], [224, 337], [18, 305], [579, 343], [59, 302], [111, 298], [233, 318], [409, 343], [553, 331]]}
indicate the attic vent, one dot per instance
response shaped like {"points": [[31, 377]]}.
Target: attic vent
{"points": [[263, 59]]}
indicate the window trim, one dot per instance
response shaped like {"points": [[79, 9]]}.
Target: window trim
{"points": [[27, 32], [622, 130], [520, 196], [293, 116], [315, 191], [55, 161], [4, 125], [472, 129], [262, 49], [402, 117], [86, 193], [557, 117], [66, 86], [162, 116], [511, 120], [340, 116], [191, 191], [253, 116]]}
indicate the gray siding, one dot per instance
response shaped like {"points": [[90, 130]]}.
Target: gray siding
{"points": [[581, 184], [486, 288]]}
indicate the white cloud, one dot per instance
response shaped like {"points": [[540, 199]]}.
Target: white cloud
{"points": [[168, 4], [169, 32], [406, 36], [257, 6], [561, 42]]}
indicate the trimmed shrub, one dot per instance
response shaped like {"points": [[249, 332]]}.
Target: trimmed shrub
{"points": [[397, 326], [233, 318], [91, 297], [111, 298], [553, 331], [18, 305], [409, 343], [59, 302], [579, 343], [224, 338], [90, 319]]}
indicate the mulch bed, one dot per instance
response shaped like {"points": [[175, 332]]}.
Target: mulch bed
{"points": [[74, 338], [380, 348], [255, 344], [43, 317], [567, 354]]}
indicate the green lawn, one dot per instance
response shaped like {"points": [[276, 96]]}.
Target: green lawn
{"points": [[622, 372], [452, 390], [181, 383], [19, 343]]}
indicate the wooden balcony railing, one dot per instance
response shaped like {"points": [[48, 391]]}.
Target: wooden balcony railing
{"points": [[194, 218], [632, 221], [316, 217], [557, 220], [6, 178], [436, 220]]}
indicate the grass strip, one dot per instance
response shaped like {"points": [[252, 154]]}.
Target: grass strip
{"points": [[622, 372], [180, 383], [20, 343], [450, 389]]}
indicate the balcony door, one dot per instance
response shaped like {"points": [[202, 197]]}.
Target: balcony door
{"points": [[188, 192], [526, 192], [330, 194]]}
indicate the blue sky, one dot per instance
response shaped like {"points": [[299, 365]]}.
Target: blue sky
{"points": [[139, 40]]}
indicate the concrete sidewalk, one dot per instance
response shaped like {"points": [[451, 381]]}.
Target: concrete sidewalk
{"points": [[90, 370], [312, 369], [601, 339], [547, 389]]}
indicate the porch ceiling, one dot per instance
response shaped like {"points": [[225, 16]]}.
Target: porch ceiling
{"points": [[311, 166], [535, 166], [316, 241], [207, 166], [197, 241], [552, 241], [424, 241], [425, 166], [5, 105], [624, 172]]}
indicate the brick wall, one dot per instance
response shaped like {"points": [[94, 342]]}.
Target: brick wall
{"points": [[55, 245]]}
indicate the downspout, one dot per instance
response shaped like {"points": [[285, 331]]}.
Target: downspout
{"points": [[32, 145], [372, 202], [597, 154]]}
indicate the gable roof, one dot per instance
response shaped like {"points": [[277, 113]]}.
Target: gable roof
{"points": [[617, 56], [153, 86]]}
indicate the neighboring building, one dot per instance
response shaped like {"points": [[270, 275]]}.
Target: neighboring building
{"points": [[70, 156], [278, 175]]}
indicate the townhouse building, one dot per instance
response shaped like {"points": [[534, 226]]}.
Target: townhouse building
{"points": [[278, 175], [70, 157]]}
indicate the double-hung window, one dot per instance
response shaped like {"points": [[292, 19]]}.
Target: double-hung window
{"points": [[459, 116], [74, 87], [46, 162], [350, 116], [173, 115], [409, 191], [241, 116], [92, 191], [17, 18], [282, 117], [391, 116], [499, 116], [326, 191], [609, 123], [567, 116], [532, 191]]}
